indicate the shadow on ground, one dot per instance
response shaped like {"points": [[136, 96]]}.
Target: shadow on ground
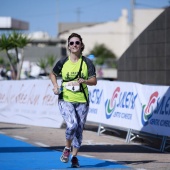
{"points": [[111, 149]]}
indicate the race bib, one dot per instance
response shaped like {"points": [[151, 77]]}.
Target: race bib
{"points": [[72, 86]]}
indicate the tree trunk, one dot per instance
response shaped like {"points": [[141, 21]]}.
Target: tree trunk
{"points": [[13, 69], [20, 63]]}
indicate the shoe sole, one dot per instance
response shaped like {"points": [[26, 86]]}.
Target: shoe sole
{"points": [[74, 166], [63, 160]]}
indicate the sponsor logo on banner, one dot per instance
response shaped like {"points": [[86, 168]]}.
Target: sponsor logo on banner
{"points": [[157, 111], [95, 96], [147, 110], [110, 104], [119, 102]]}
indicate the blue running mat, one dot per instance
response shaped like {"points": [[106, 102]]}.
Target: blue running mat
{"points": [[18, 155]]}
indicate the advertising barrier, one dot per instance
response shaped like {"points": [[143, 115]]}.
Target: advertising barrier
{"points": [[131, 105], [128, 105], [30, 102]]}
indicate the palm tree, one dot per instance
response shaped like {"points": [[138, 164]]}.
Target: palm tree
{"points": [[46, 64], [51, 60], [42, 63], [14, 41], [2, 62]]}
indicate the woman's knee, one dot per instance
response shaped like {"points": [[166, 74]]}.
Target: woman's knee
{"points": [[72, 129]]}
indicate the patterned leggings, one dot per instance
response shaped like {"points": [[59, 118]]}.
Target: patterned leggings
{"points": [[74, 114]]}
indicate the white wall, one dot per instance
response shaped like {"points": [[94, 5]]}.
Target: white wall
{"points": [[114, 34], [143, 18]]}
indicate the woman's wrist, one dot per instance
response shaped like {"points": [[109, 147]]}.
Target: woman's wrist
{"points": [[56, 86]]}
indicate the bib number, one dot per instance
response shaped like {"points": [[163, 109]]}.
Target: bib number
{"points": [[72, 86]]}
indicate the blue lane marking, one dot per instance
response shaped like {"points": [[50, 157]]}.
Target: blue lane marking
{"points": [[18, 155]]}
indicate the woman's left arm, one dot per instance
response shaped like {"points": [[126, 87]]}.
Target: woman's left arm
{"points": [[91, 82]]}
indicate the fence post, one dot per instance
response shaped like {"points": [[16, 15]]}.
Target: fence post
{"points": [[128, 136], [99, 127], [163, 143]]}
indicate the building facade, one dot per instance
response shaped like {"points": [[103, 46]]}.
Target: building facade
{"points": [[115, 35], [147, 60]]}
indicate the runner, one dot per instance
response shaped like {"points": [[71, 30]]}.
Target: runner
{"points": [[77, 72]]}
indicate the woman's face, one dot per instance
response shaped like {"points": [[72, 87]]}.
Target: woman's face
{"points": [[75, 45]]}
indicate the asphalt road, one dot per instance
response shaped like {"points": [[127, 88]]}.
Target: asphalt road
{"points": [[140, 154]]}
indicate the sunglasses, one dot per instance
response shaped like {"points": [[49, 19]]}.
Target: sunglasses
{"points": [[76, 42]]}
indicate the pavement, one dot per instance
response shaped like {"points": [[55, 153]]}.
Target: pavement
{"points": [[109, 149]]}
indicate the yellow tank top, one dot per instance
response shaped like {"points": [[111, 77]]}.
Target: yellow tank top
{"points": [[68, 72]]}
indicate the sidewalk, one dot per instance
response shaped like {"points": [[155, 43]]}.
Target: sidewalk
{"points": [[105, 147]]}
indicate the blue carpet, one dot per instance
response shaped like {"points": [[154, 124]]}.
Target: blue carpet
{"points": [[18, 155]]}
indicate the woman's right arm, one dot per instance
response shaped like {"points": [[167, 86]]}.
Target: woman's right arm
{"points": [[54, 82]]}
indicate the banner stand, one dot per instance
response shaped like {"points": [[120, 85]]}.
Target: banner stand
{"points": [[102, 129], [168, 143], [135, 134], [131, 135], [164, 139], [128, 135]]}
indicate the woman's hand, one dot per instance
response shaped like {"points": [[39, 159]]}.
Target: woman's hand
{"points": [[91, 82], [81, 80], [56, 90]]}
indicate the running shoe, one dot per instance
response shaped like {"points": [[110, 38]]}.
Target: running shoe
{"points": [[74, 162], [65, 155]]}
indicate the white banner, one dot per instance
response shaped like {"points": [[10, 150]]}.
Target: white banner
{"points": [[132, 105], [29, 102], [96, 98], [122, 104]]}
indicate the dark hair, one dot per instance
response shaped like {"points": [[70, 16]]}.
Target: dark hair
{"points": [[78, 36]]}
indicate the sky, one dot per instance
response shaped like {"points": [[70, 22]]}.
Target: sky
{"points": [[44, 15]]}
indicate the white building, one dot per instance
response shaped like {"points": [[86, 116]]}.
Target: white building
{"points": [[9, 23], [116, 35]]}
